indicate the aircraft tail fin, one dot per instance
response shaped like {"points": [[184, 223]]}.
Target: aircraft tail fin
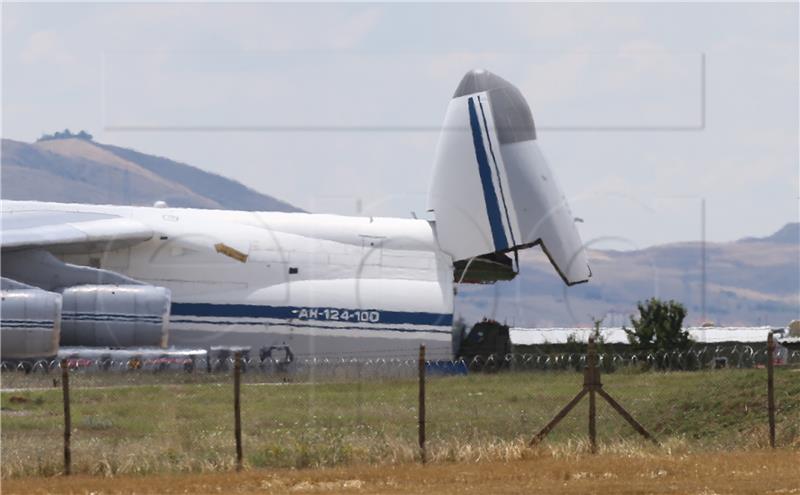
{"points": [[492, 190]]}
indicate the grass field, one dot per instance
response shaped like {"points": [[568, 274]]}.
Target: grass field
{"points": [[183, 423]]}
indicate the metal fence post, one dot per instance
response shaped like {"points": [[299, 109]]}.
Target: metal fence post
{"points": [[237, 411], [67, 417], [423, 456], [771, 388]]}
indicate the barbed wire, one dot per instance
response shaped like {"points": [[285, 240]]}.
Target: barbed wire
{"points": [[738, 356]]}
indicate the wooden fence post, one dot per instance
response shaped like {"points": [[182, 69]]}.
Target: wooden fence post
{"points": [[423, 456], [360, 399], [591, 385], [771, 388], [590, 380], [67, 417], [237, 411]]}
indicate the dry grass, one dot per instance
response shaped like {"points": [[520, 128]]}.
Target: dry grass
{"points": [[572, 471]]}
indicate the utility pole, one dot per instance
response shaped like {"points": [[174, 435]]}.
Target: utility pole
{"points": [[703, 259]]}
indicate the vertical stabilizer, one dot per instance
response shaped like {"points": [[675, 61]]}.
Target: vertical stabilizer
{"points": [[492, 190]]}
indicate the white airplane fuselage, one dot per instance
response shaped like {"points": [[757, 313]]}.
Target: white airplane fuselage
{"points": [[322, 284]]}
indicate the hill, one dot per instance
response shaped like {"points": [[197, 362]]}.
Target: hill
{"points": [[753, 281], [79, 170], [789, 234]]}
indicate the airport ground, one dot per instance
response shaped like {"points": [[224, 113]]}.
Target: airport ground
{"points": [[747, 472], [170, 433]]}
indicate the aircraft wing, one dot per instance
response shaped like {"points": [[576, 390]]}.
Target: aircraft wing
{"points": [[69, 232]]}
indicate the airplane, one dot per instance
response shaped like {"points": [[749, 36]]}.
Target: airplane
{"points": [[319, 284]]}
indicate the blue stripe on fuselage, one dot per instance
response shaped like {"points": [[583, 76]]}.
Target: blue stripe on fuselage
{"points": [[311, 324], [485, 172], [293, 312]]}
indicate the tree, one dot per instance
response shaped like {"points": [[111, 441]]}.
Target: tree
{"points": [[576, 344], [598, 337], [65, 134], [659, 327]]}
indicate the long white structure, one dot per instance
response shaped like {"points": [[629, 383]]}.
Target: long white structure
{"points": [[616, 335], [321, 284]]}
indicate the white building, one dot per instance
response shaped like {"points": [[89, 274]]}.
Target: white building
{"points": [[616, 335]]}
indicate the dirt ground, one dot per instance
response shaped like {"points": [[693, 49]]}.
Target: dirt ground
{"points": [[753, 472]]}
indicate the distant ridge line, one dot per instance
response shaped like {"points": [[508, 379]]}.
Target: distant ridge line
{"points": [[76, 170]]}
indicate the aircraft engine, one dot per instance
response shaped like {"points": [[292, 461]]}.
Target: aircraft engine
{"points": [[30, 322], [115, 316]]}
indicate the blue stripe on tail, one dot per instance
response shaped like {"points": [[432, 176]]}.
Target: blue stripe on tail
{"points": [[489, 195]]}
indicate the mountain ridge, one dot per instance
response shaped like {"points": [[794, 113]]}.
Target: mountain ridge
{"points": [[750, 281], [77, 170], [789, 233]]}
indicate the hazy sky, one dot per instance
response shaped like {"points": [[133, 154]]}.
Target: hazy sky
{"points": [[642, 109]]}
